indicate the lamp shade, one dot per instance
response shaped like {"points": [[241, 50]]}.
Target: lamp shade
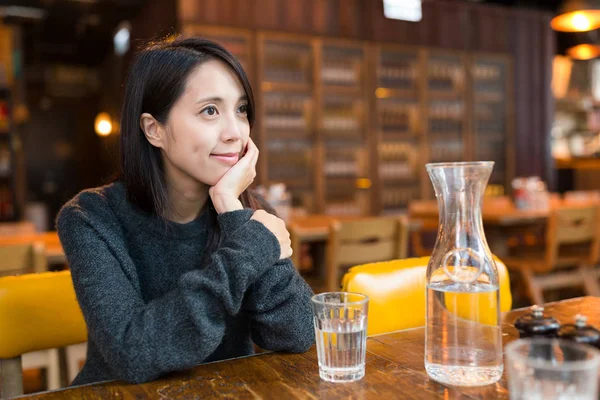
{"points": [[584, 51], [577, 16]]}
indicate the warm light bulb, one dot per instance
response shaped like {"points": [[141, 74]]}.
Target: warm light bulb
{"points": [[103, 124], [581, 22], [104, 128], [584, 51]]}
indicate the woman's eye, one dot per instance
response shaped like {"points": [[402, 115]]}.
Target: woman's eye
{"points": [[243, 109], [210, 110]]}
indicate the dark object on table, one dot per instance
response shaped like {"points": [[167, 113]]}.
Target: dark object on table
{"points": [[537, 324], [580, 332]]}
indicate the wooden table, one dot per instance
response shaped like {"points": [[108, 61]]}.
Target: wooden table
{"points": [[502, 212], [394, 369]]}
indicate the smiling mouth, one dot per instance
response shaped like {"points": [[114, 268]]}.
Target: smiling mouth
{"points": [[227, 158]]}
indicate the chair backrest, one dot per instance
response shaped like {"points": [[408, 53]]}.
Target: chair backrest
{"points": [[364, 240], [22, 258], [572, 225], [37, 312], [396, 291]]}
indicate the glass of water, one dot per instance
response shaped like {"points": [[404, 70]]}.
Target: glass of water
{"points": [[341, 335], [552, 369]]}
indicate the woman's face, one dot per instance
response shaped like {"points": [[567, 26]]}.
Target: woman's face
{"points": [[207, 129]]}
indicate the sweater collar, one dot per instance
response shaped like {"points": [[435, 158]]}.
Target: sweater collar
{"points": [[169, 229]]}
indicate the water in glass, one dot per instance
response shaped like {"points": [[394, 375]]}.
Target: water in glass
{"points": [[340, 321]]}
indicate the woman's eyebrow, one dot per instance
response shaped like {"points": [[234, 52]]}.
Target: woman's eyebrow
{"points": [[213, 99]]}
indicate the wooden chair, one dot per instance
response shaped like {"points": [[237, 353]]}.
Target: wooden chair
{"points": [[396, 291], [37, 312], [364, 240], [572, 241], [22, 258]]}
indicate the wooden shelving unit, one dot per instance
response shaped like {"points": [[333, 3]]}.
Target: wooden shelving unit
{"points": [[348, 126], [286, 123], [446, 116], [490, 114], [398, 130], [342, 127]]}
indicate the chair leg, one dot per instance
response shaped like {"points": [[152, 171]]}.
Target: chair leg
{"points": [[53, 370], [75, 354], [590, 281], [11, 378], [534, 289]]}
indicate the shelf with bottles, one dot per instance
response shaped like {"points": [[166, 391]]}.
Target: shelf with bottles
{"points": [[344, 196], [286, 63], [446, 148], [398, 162], [488, 76], [287, 116], [397, 72], [446, 74], [344, 162], [446, 116], [342, 118], [490, 111], [290, 162], [396, 198], [397, 118], [493, 149], [342, 67]]}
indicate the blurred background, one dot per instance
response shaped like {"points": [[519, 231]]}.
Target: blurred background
{"points": [[354, 96]]}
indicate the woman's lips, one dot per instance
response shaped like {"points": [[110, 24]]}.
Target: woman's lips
{"points": [[226, 158]]}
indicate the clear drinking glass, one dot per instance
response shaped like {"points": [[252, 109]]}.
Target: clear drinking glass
{"points": [[341, 335], [463, 336], [552, 369]]}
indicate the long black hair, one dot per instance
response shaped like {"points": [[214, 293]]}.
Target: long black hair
{"points": [[156, 81]]}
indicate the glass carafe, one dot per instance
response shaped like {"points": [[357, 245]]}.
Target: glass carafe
{"points": [[463, 339]]}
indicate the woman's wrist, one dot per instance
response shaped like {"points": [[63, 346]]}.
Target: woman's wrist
{"points": [[223, 203]]}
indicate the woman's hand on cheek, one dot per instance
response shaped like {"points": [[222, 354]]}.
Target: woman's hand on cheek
{"points": [[226, 192]]}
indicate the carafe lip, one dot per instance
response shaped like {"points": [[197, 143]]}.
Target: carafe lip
{"points": [[460, 164]]}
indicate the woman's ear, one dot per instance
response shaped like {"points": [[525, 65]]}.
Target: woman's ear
{"points": [[152, 130]]}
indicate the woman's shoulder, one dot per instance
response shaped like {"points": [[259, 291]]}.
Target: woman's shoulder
{"points": [[97, 201]]}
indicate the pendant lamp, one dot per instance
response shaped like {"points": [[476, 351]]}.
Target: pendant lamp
{"points": [[577, 16]]}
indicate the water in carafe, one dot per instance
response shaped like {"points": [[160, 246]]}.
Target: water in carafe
{"points": [[463, 329]]}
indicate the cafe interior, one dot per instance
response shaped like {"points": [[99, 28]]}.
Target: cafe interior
{"points": [[354, 99]]}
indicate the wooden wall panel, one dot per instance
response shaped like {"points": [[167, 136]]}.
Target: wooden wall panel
{"points": [[448, 24]]}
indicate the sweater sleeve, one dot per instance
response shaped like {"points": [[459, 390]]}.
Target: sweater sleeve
{"points": [[279, 305], [141, 341]]}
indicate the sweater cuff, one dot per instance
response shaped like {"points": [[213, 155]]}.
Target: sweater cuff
{"points": [[231, 221], [261, 244]]}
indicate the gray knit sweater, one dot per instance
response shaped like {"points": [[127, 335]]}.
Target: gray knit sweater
{"points": [[153, 304]]}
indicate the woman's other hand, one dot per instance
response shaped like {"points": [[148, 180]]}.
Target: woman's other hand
{"points": [[277, 227]]}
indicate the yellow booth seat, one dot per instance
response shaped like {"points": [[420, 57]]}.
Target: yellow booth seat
{"points": [[37, 312], [396, 291]]}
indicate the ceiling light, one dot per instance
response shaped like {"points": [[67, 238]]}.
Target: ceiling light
{"points": [[577, 16], [584, 51]]}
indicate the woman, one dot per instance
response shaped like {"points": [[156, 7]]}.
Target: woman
{"points": [[172, 265]]}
